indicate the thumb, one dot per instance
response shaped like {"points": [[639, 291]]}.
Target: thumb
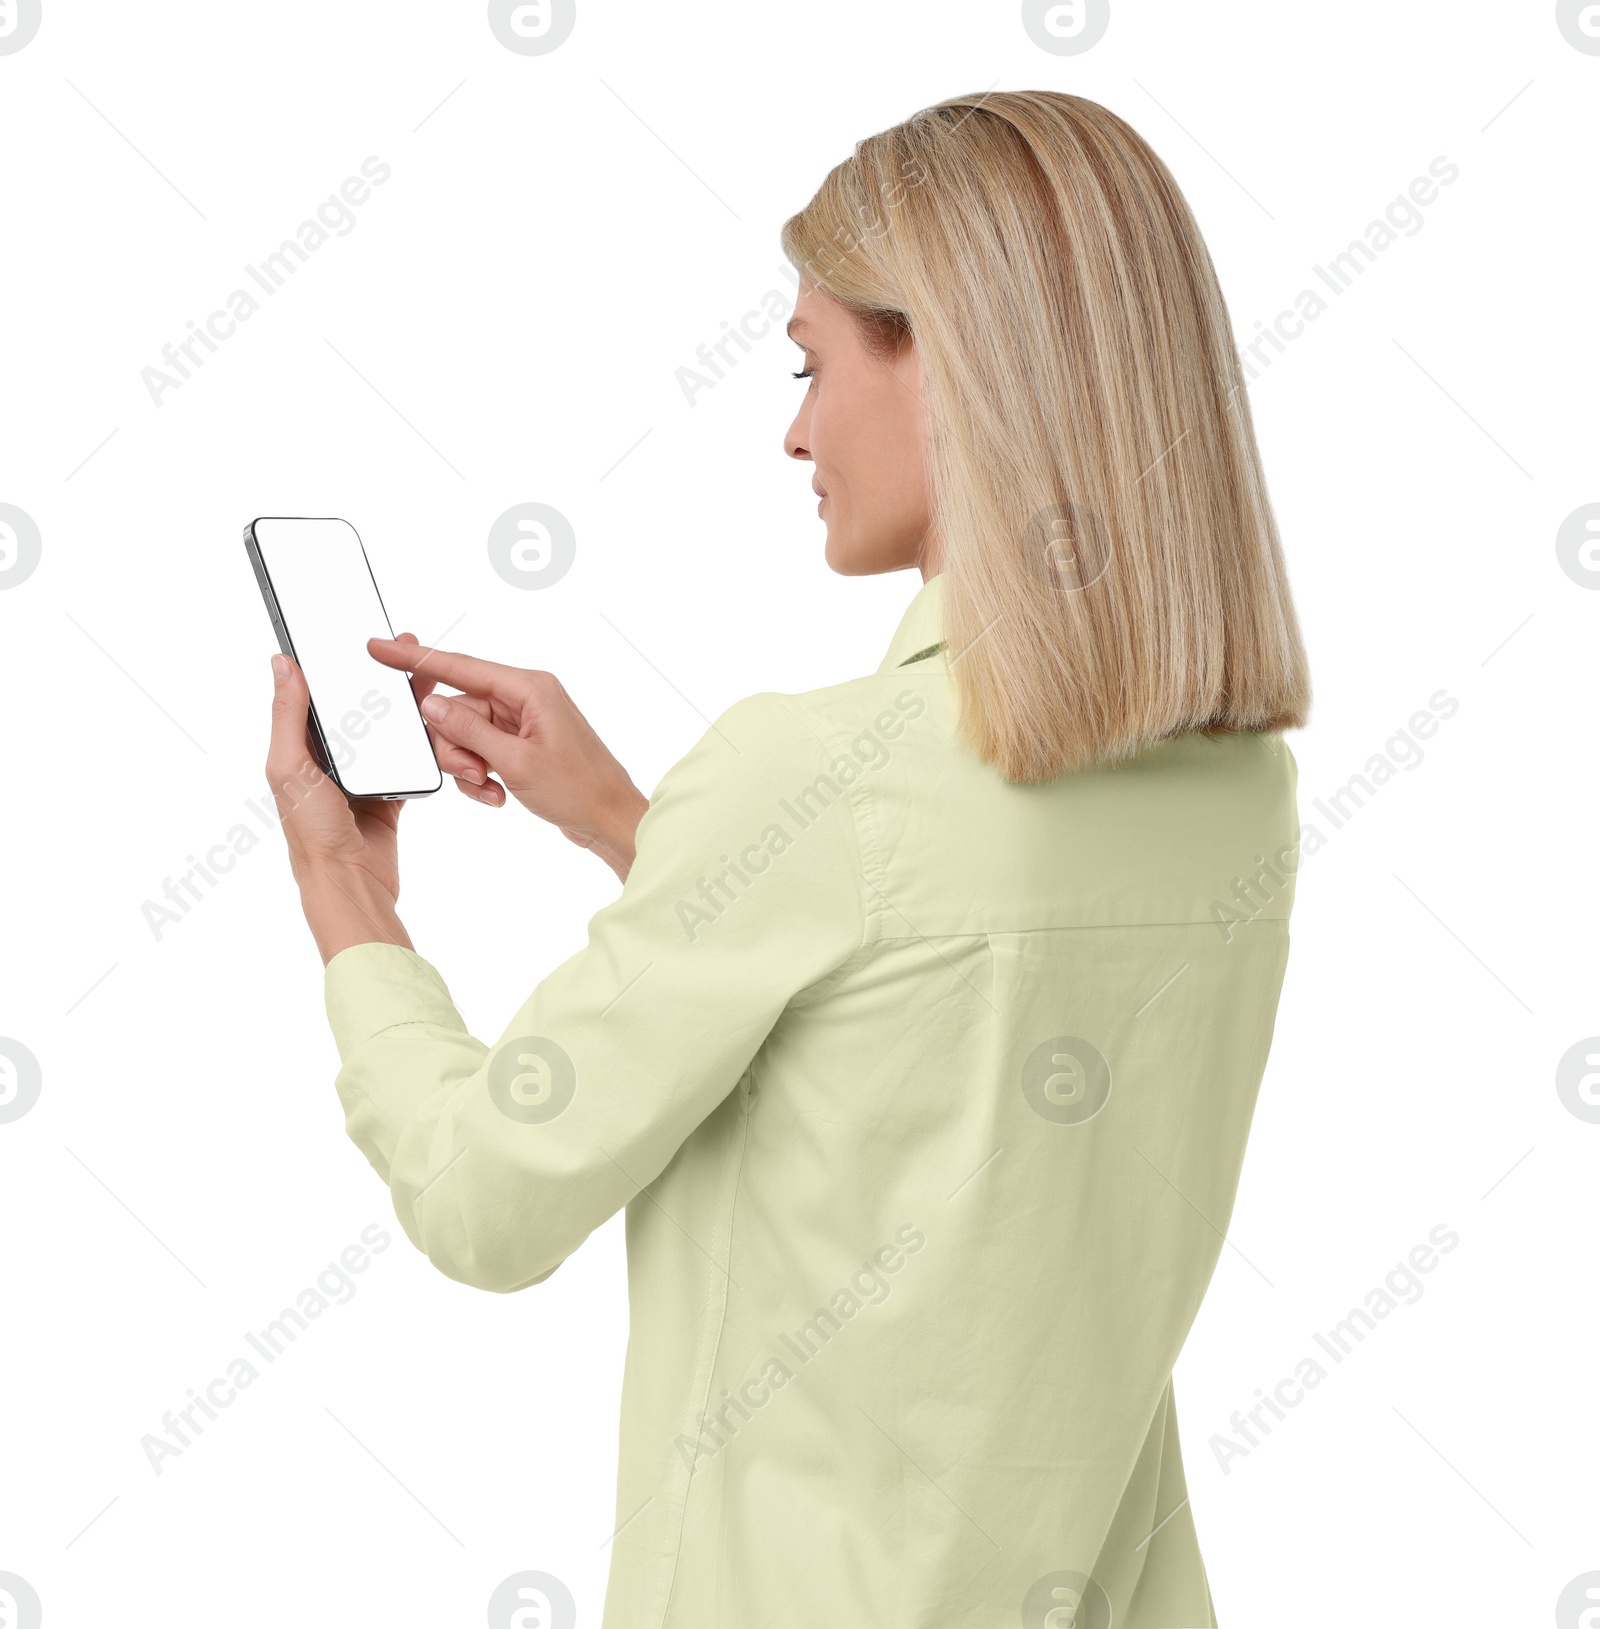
{"points": [[466, 727], [290, 703]]}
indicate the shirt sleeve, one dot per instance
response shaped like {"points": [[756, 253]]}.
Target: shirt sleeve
{"points": [[502, 1159]]}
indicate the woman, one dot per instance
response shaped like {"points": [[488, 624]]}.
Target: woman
{"points": [[922, 1041]]}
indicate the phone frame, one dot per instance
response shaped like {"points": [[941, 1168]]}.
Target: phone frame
{"points": [[317, 741]]}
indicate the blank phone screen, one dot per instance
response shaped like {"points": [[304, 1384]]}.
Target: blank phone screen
{"points": [[330, 608]]}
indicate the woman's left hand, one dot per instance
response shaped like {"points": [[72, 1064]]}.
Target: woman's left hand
{"points": [[344, 851]]}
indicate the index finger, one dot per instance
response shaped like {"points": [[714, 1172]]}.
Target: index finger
{"points": [[470, 674], [421, 685]]}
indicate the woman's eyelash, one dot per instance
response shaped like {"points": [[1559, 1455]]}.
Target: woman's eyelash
{"points": [[805, 373]]}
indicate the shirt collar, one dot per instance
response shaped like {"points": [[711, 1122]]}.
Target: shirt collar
{"points": [[921, 629]]}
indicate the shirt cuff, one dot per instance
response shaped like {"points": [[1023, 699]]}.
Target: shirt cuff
{"points": [[370, 988]]}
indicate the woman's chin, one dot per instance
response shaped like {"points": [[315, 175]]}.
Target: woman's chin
{"points": [[848, 557], [854, 559]]}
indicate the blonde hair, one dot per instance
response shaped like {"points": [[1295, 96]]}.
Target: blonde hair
{"points": [[1113, 574]]}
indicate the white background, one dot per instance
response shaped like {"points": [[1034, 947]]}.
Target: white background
{"points": [[503, 325]]}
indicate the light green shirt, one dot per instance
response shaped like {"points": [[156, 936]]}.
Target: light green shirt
{"points": [[926, 1095]]}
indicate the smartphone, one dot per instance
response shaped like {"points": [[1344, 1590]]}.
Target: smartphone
{"points": [[366, 729]]}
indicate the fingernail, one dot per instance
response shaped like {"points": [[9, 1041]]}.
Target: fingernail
{"points": [[433, 707], [280, 669], [473, 776]]}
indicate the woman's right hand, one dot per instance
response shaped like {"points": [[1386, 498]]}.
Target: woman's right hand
{"points": [[521, 725]]}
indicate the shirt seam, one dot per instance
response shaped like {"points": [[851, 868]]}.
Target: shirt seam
{"points": [[411, 1023], [726, 1269], [1083, 927], [407, 1023]]}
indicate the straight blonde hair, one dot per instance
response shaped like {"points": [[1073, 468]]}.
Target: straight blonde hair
{"points": [[1113, 573]]}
